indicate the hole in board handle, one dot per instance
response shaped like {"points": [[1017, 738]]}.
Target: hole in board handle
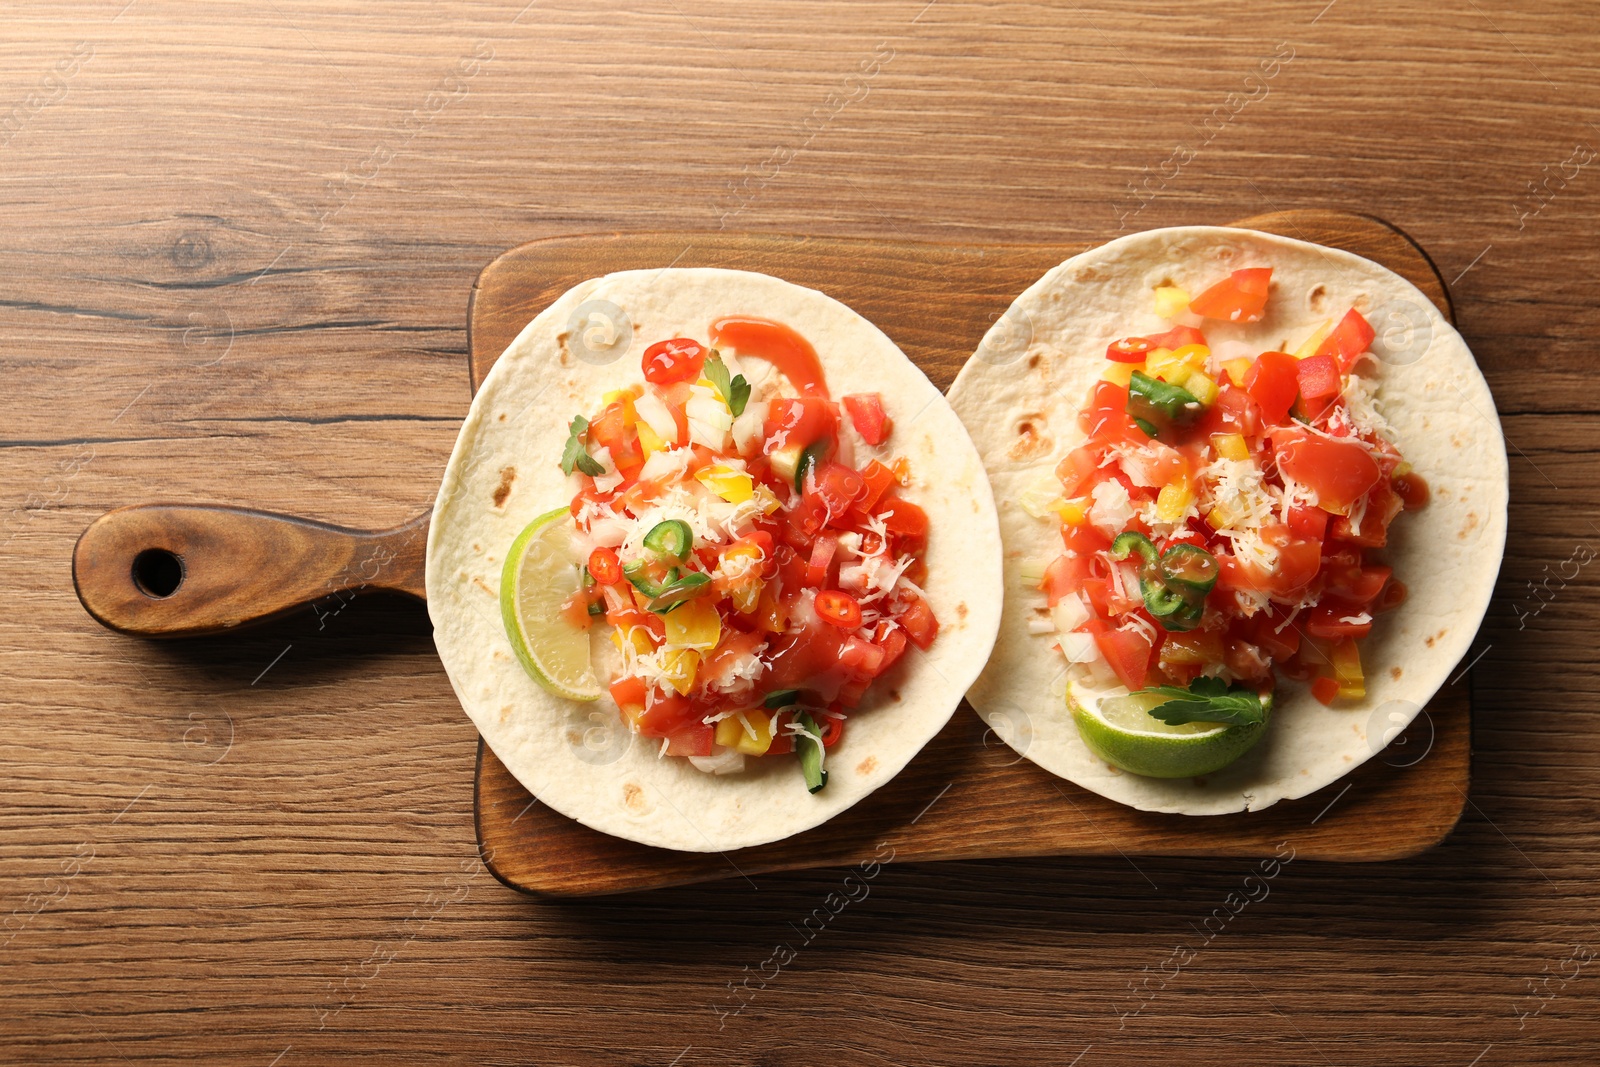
{"points": [[157, 573]]}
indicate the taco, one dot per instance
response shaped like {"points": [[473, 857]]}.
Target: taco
{"points": [[712, 560], [1247, 535]]}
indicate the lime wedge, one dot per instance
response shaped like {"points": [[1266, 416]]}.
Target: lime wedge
{"points": [[538, 576], [1120, 730]]}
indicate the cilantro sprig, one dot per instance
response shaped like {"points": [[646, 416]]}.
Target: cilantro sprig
{"points": [[1208, 700], [575, 455], [735, 392]]}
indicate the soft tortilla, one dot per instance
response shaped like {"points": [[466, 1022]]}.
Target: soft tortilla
{"points": [[578, 758], [1019, 396]]}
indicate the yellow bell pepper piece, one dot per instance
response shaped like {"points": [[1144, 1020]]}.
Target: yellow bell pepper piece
{"points": [[1312, 343], [679, 667], [1193, 356], [1347, 669], [1237, 369], [733, 486], [760, 725], [729, 731], [1173, 500], [627, 396], [1171, 301], [1119, 373], [1074, 512], [636, 636], [649, 440], [1203, 388], [769, 500], [1230, 446], [694, 625]]}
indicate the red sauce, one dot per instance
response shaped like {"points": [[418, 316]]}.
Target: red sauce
{"points": [[1412, 490], [777, 344]]}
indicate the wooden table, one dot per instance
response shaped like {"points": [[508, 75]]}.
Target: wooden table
{"points": [[238, 245]]}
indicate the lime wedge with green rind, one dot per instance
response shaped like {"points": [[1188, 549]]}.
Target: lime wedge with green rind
{"points": [[1120, 730], [538, 576]]}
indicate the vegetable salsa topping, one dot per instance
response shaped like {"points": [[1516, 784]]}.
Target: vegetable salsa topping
{"points": [[1220, 519], [755, 567]]}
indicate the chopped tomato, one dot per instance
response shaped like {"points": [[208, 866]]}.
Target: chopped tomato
{"points": [[832, 727], [604, 567], [875, 480], [1079, 470], [1348, 340], [1176, 338], [1273, 381], [1129, 350], [613, 431], [837, 486], [1308, 523], [919, 623], [691, 739], [904, 519], [1234, 411], [863, 657], [799, 421], [1106, 418], [1383, 504], [1240, 297], [628, 692], [838, 608], [867, 416], [1338, 473], [1274, 634], [1128, 652], [1334, 619], [1319, 377], [1065, 573], [665, 713], [892, 639], [588, 495], [1326, 690], [1298, 563], [821, 560], [677, 360]]}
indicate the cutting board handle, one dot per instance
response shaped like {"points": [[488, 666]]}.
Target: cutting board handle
{"points": [[180, 570]]}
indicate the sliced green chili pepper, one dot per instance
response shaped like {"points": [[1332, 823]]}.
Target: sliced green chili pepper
{"points": [[1173, 585], [1133, 541], [671, 539], [1150, 428], [809, 458], [809, 746], [679, 590], [671, 591], [1157, 403], [781, 698], [1191, 566]]}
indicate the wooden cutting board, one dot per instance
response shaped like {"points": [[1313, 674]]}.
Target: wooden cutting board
{"points": [[967, 795]]}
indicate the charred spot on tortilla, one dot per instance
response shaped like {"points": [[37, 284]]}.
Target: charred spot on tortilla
{"points": [[1317, 299], [1031, 441], [503, 490], [868, 765], [633, 796], [961, 609], [1034, 361]]}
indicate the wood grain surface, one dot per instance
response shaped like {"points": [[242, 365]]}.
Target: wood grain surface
{"points": [[967, 795], [239, 240]]}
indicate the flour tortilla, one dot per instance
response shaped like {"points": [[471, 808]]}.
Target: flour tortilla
{"points": [[1020, 394], [577, 757]]}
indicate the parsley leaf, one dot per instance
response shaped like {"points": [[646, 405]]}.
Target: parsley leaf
{"points": [[575, 455], [735, 393], [1208, 700]]}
